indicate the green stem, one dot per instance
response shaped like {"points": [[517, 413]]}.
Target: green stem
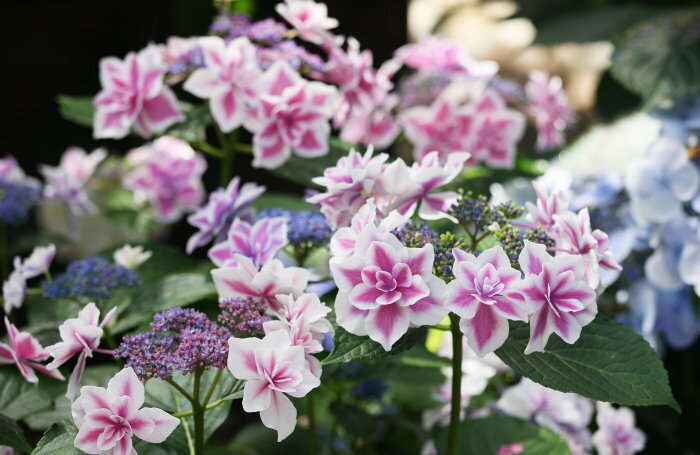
{"points": [[209, 407], [198, 415], [208, 149], [311, 411], [456, 405], [211, 388], [182, 391]]}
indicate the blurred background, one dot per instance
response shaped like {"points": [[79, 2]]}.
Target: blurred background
{"points": [[51, 47]]}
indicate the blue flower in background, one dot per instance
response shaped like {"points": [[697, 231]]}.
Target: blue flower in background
{"points": [[16, 200], [93, 278], [661, 181]]}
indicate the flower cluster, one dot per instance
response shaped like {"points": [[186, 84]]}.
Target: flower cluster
{"points": [[181, 340], [25, 352], [18, 193], [243, 316], [418, 234], [167, 173], [392, 186], [306, 230], [258, 242], [93, 278]]}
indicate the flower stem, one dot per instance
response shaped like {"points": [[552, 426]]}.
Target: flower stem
{"points": [[198, 415], [311, 411], [211, 388], [456, 405]]}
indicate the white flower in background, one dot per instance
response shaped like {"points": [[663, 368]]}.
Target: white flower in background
{"points": [[131, 256]]}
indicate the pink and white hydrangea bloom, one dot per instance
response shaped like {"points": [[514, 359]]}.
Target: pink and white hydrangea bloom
{"points": [[272, 368], [107, 418], [25, 352], [428, 175], [11, 172], [66, 183], [484, 294], [168, 174], [14, 290], [496, 131], [547, 205], [133, 94], [435, 53], [224, 205], [573, 235], [309, 18], [244, 279], [548, 104], [37, 263], [79, 336], [565, 413], [227, 80], [348, 185], [342, 244], [131, 257], [291, 114], [444, 127], [617, 433], [259, 242], [372, 125], [305, 320], [557, 295], [384, 288]]}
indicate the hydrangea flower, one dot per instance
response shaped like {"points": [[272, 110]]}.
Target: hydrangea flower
{"points": [[16, 201], [272, 368], [291, 114], [347, 184], [93, 278], [224, 205], [574, 236], [384, 288], [79, 336], [14, 290], [443, 126], [343, 241], [37, 263], [496, 131], [182, 340], [304, 227], [25, 352], [659, 182], [227, 80], [244, 316], [305, 320], [133, 95], [548, 104], [309, 18], [616, 434], [259, 242], [131, 257], [484, 294], [107, 418], [168, 174], [66, 183], [558, 297], [428, 175], [565, 413], [245, 280], [546, 206], [435, 53]]}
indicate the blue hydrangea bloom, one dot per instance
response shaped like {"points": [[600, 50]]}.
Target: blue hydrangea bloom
{"points": [[93, 278], [16, 200], [305, 227]]}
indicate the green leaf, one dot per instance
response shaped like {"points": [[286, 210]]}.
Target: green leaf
{"points": [[19, 399], [610, 362], [193, 128], [487, 435], [172, 291], [348, 347], [302, 170], [659, 59], [77, 109], [162, 395], [281, 200], [58, 440], [12, 435]]}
